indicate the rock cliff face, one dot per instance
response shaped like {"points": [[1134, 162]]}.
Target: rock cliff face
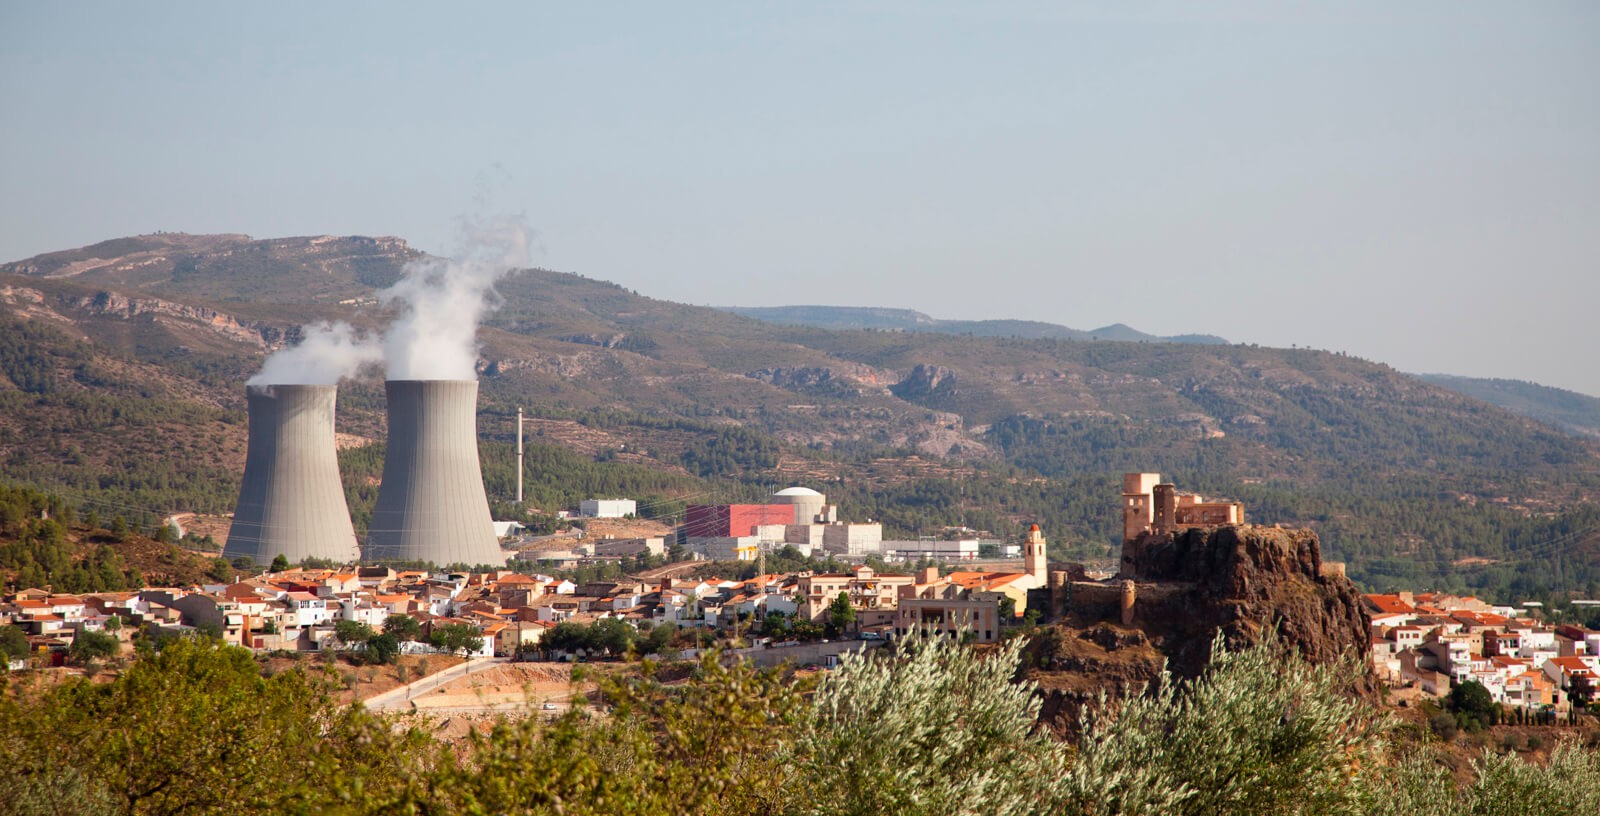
{"points": [[112, 304], [1240, 581], [925, 382], [842, 380]]}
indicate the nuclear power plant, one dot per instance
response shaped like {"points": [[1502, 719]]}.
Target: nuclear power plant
{"points": [[431, 505], [291, 502]]}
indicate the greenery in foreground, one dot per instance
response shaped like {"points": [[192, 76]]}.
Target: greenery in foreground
{"points": [[937, 729]]}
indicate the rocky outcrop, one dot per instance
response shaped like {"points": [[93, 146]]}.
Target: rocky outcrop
{"points": [[842, 381], [925, 381], [620, 340], [1240, 581], [112, 304]]}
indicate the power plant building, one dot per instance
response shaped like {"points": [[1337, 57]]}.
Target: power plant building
{"points": [[810, 507], [431, 505], [797, 516], [731, 520], [291, 502], [608, 508]]}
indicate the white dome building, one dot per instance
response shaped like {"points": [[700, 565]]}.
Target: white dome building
{"points": [[810, 507]]}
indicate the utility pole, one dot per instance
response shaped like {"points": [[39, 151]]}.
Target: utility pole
{"points": [[519, 455]]}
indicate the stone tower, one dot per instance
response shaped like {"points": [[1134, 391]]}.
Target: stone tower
{"points": [[1034, 561]]}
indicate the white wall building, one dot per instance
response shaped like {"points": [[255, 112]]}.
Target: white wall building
{"points": [[853, 539], [608, 508], [726, 548], [965, 550]]}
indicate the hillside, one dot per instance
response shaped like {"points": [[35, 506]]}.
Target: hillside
{"points": [[46, 543], [1568, 410], [121, 371], [866, 317]]}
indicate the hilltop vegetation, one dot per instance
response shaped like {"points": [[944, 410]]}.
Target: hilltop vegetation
{"points": [[1571, 411], [45, 542], [122, 384]]}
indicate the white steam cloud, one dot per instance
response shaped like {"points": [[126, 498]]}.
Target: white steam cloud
{"points": [[327, 353], [434, 335]]}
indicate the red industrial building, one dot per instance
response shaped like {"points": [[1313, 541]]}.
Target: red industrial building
{"points": [[727, 520]]}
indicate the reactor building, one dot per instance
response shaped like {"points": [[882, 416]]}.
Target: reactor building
{"points": [[431, 505], [291, 502]]}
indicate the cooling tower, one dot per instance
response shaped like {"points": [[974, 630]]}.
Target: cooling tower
{"points": [[291, 502], [431, 505]]}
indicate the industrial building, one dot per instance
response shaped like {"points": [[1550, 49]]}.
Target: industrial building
{"points": [[291, 502], [431, 505], [795, 516], [608, 508], [810, 507], [958, 550], [725, 520], [853, 540]]}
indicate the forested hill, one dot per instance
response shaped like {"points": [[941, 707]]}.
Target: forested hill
{"points": [[122, 364], [1569, 410]]}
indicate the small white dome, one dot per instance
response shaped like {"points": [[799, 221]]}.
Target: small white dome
{"points": [[797, 491]]}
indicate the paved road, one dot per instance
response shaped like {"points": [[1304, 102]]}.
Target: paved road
{"points": [[498, 708], [806, 652], [400, 698]]}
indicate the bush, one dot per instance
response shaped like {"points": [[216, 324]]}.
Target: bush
{"points": [[403, 627], [1473, 704], [1444, 726], [383, 649], [351, 632], [89, 645], [1569, 783], [13, 643], [937, 730], [1259, 732]]}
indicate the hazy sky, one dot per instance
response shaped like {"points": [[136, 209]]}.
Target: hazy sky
{"points": [[1414, 183]]}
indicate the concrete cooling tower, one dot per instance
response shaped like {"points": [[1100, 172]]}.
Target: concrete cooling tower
{"points": [[291, 502], [431, 505]]}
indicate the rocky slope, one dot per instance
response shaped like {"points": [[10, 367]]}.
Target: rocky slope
{"points": [[1238, 581]]}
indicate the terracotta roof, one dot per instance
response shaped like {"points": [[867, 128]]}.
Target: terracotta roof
{"points": [[1389, 604], [1572, 665]]}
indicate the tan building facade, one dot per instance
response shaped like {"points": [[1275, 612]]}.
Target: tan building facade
{"points": [[1152, 506]]}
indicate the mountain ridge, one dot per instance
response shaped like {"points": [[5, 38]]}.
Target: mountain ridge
{"points": [[124, 383], [1569, 410], [895, 319]]}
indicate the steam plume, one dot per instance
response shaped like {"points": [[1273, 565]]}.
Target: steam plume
{"points": [[328, 353], [434, 336]]}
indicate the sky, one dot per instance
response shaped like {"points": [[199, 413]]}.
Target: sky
{"points": [[1412, 183]]}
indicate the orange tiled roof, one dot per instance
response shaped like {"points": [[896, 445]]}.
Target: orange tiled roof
{"points": [[1390, 604]]}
